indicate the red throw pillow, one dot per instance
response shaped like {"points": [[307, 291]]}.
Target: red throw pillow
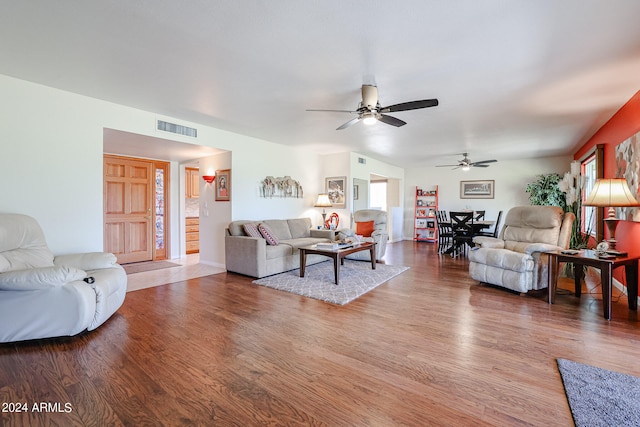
{"points": [[364, 228]]}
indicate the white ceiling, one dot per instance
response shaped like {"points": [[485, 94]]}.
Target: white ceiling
{"points": [[515, 78]]}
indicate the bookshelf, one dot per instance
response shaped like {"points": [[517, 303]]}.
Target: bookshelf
{"points": [[425, 222]]}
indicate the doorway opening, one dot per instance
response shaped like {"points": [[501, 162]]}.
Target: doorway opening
{"points": [[192, 208]]}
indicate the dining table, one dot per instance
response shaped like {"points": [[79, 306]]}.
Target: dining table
{"points": [[477, 227], [481, 225]]}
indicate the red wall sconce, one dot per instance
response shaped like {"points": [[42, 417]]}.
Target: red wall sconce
{"points": [[209, 178]]}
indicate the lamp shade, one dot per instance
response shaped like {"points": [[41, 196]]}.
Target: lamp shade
{"points": [[323, 201], [611, 192]]}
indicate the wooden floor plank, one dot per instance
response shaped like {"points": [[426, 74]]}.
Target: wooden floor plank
{"points": [[429, 347]]}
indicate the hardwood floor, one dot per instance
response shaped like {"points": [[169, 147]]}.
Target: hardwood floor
{"points": [[430, 347]]}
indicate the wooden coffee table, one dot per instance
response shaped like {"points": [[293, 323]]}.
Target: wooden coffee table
{"points": [[336, 254]]}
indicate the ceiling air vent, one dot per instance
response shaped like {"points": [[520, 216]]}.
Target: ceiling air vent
{"points": [[179, 129], [362, 160]]}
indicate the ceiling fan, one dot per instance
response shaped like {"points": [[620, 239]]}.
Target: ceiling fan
{"points": [[466, 163], [370, 111]]}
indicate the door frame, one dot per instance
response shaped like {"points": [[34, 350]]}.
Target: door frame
{"points": [[161, 254], [157, 254]]}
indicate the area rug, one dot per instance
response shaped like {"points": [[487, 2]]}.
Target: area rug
{"points": [[140, 267], [356, 279], [598, 397]]}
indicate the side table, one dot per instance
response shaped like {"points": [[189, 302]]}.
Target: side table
{"points": [[589, 258]]}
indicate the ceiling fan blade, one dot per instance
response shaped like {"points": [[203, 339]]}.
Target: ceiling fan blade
{"points": [[336, 111], [391, 120], [484, 161], [349, 123], [476, 165], [413, 105], [446, 166]]}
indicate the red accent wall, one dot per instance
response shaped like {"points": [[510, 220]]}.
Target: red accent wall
{"points": [[623, 124]]}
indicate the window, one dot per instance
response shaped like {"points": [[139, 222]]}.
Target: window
{"points": [[589, 171], [378, 195], [592, 168]]}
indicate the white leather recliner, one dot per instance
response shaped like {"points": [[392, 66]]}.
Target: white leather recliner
{"points": [[43, 296], [516, 260], [380, 234]]}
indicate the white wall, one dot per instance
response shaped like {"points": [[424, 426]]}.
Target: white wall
{"points": [[395, 199], [336, 165], [511, 179], [252, 163], [51, 164], [176, 206], [373, 166], [214, 215]]}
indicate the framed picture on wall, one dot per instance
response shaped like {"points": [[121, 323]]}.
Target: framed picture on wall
{"points": [[476, 189], [223, 185], [336, 188], [627, 166]]}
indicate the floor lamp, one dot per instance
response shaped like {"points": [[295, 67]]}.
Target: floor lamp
{"points": [[612, 193], [323, 202]]}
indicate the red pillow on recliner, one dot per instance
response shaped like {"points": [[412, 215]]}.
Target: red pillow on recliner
{"points": [[365, 228]]}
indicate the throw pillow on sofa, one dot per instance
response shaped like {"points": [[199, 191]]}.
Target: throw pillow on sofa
{"points": [[252, 230], [268, 234]]}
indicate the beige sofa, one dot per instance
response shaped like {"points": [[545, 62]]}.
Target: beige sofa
{"points": [[253, 256], [516, 260]]}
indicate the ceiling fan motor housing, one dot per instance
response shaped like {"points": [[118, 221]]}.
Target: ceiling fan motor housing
{"points": [[370, 97]]}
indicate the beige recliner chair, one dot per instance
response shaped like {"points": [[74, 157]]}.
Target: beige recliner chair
{"points": [[380, 235], [516, 260]]}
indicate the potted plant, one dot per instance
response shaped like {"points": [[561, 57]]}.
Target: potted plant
{"points": [[545, 191], [565, 192], [572, 185]]}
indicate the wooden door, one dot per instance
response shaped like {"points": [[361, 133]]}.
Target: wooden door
{"points": [[128, 203]]}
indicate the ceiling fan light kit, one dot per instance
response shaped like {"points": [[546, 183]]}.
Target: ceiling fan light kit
{"points": [[370, 111], [369, 119]]}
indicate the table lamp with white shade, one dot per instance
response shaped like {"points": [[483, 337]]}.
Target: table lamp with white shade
{"points": [[323, 202], [612, 193]]}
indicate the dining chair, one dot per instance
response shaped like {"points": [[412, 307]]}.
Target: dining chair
{"points": [[462, 230], [496, 228], [445, 235], [479, 215]]}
